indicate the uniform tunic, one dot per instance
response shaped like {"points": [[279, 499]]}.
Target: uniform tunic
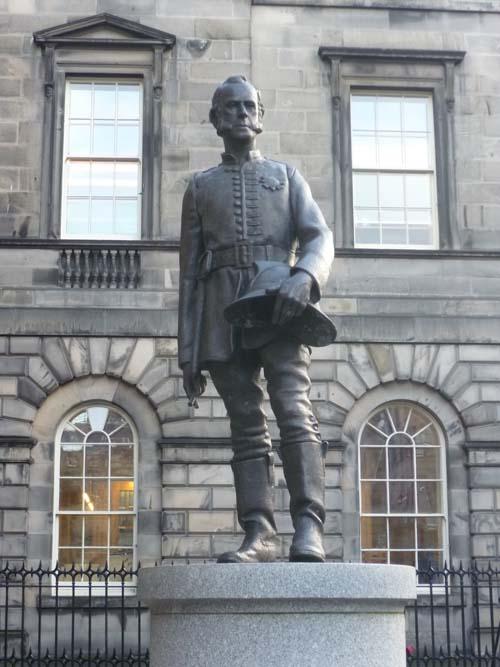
{"points": [[258, 202]]}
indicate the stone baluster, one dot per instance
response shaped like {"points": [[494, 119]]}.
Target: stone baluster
{"points": [[86, 269], [113, 268]]}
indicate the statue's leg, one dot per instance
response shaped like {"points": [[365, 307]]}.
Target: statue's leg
{"points": [[238, 385], [286, 364]]}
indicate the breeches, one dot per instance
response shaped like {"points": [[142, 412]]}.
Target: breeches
{"points": [[286, 364]]}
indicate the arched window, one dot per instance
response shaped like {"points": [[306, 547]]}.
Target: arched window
{"points": [[95, 500], [402, 486]]}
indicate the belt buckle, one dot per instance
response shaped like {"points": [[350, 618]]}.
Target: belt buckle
{"points": [[244, 254]]}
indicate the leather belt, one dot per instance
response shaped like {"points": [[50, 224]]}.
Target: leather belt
{"points": [[240, 256]]}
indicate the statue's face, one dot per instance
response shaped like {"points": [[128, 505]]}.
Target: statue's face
{"points": [[238, 112]]}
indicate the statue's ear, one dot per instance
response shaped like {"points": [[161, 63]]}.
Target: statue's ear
{"points": [[212, 116]]}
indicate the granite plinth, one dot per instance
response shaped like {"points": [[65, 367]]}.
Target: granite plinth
{"points": [[277, 614]]}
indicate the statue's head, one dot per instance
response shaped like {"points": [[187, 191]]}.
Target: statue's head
{"points": [[237, 109]]}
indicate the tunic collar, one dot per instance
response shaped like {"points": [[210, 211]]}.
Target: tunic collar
{"points": [[229, 158]]}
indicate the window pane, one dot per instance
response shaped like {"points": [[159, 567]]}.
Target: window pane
{"points": [[97, 416], [96, 531], [79, 138], [400, 439], [415, 114], [119, 557], [113, 421], [391, 190], [78, 179], [428, 436], [389, 114], [104, 139], [402, 533], [126, 216], [429, 532], [403, 558], [427, 559], [127, 140], [123, 434], [421, 217], [126, 179], [362, 112], [104, 100], [71, 460], [97, 437], [393, 235], [129, 97], [102, 216], [96, 460], [102, 179], [419, 236], [122, 460], [96, 495], [401, 462], [70, 531], [418, 190], [365, 190], [428, 463], [80, 100], [373, 462], [95, 557], [417, 152], [399, 414], [390, 152], [364, 150], [70, 495], [122, 531], [373, 497], [367, 234], [402, 497], [381, 423], [429, 497], [371, 436], [122, 495], [373, 532], [77, 216], [374, 557], [72, 434], [69, 557]]}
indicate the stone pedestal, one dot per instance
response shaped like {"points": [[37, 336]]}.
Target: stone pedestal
{"points": [[277, 614]]}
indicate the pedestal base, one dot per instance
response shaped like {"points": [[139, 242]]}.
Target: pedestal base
{"points": [[278, 614]]}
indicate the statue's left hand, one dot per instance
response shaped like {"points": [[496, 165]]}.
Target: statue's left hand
{"points": [[293, 296]]}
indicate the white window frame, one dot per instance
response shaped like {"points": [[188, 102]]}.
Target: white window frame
{"points": [[81, 588], [66, 158], [415, 515], [401, 94]]}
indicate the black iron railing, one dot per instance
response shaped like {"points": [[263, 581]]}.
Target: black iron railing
{"points": [[71, 616], [92, 617], [456, 618]]}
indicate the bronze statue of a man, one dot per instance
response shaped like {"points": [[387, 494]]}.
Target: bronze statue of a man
{"points": [[246, 210]]}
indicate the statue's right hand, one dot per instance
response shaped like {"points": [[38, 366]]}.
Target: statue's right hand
{"points": [[194, 384]]}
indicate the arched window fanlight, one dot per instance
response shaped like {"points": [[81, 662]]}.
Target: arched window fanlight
{"points": [[95, 506], [402, 487]]}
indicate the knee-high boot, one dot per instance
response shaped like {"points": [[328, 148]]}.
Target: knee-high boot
{"points": [[253, 481], [304, 469]]}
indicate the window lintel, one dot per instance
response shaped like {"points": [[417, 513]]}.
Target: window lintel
{"points": [[399, 55]]}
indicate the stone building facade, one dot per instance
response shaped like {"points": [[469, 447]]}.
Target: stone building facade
{"points": [[91, 321]]}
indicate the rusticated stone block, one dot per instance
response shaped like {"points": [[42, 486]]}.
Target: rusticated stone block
{"points": [[185, 546], [186, 498], [173, 522], [210, 474]]}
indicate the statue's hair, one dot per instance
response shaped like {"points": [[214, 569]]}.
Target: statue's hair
{"points": [[238, 78]]}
